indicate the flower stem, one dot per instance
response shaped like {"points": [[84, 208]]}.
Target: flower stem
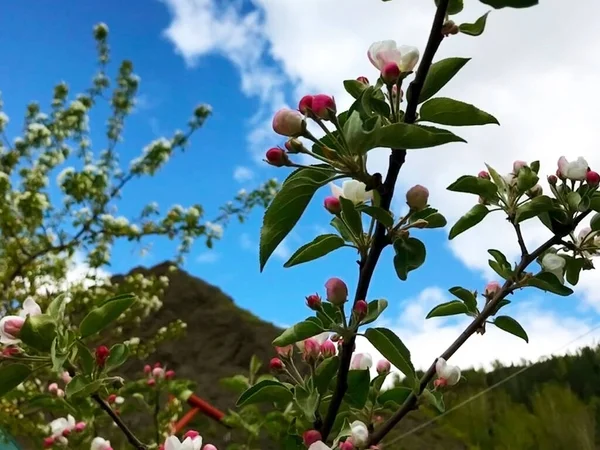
{"points": [[131, 438]]}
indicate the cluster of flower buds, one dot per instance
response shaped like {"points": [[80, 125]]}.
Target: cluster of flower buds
{"points": [[61, 428], [156, 373]]}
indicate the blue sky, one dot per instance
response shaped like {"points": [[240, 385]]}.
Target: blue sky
{"points": [[247, 59]]}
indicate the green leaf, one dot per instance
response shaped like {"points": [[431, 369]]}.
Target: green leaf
{"points": [[12, 375], [118, 356], [440, 73], [265, 392], [501, 265], [410, 255], [325, 373], [359, 382], [573, 269], [498, 4], [547, 281], [408, 136], [475, 215], [474, 185], [595, 222], [451, 308], [255, 365], [342, 229], [56, 308], [86, 360], [351, 217], [396, 395], [454, 6], [476, 28], [376, 307], [81, 386], [466, 296], [361, 135], [319, 247], [526, 179], [308, 402], [303, 330], [533, 208], [447, 111], [378, 214], [38, 332], [511, 326], [354, 87], [101, 317], [287, 207], [392, 349], [237, 383], [431, 215], [435, 399], [501, 304]]}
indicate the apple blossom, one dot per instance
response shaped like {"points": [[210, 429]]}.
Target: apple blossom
{"points": [[305, 104], [575, 170], [319, 445], [353, 190], [313, 301], [361, 361], [288, 122], [99, 443], [592, 178], [309, 437], [276, 365], [323, 106], [554, 264], [491, 288], [276, 157], [192, 441], [363, 80], [333, 205], [360, 433], [360, 308], [337, 291], [448, 375], [383, 52], [417, 197], [320, 338], [285, 351], [383, 366], [10, 326], [312, 349], [390, 73], [61, 427], [328, 349]]}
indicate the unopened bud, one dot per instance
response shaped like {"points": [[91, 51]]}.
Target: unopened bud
{"points": [[310, 437], [390, 73], [313, 301], [111, 398], [360, 309], [332, 204], [492, 289], [170, 374], [324, 107], [535, 191], [347, 445], [295, 145], [277, 157], [151, 382], [552, 180], [484, 174], [52, 388], [417, 197], [102, 354], [328, 349], [517, 166], [592, 178], [276, 365], [288, 122], [337, 291], [48, 442], [80, 426], [312, 349], [147, 369], [363, 80], [383, 366], [285, 352], [305, 104]]}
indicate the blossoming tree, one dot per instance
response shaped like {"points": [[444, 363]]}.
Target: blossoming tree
{"points": [[330, 401]]}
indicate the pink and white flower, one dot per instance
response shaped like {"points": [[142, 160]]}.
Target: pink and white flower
{"points": [[361, 361], [192, 441], [100, 444], [384, 52], [353, 190], [448, 375], [10, 326]]}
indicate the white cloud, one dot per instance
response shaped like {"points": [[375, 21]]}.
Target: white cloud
{"points": [[549, 333], [208, 257], [242, 174]]}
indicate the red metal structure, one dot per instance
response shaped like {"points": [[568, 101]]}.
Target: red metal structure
{"points": [[199, 406]]}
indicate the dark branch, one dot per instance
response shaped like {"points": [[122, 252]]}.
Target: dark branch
{"points": [[368, 263], [131, 438]]}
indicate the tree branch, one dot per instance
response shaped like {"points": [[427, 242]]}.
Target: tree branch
{"points": [[131, 438], [520, 239], [368, 263], [490, 308]]}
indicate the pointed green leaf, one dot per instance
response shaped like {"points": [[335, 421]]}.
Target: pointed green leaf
{"points": [[319, 247], [81, 386], [410, 255], [378, 214], [440, 73], [307, 401], [392, 349], [431, 215], [287, 207], [547, 281], [56, 308], [325, 373], [511, 326], [408, 136], [451, 308], [498, 4], [359, 382], [118, 356], [447, 111], [476, 28], [38, 332], [435, 399], [265, 392], [101, 317], [474, 185], [376, 307], [351, 217], [396, 395], [354, 87], [12, 375], [469, 220], [303, 330], [466, 296], [533, 208]]}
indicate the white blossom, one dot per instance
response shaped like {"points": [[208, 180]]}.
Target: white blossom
{"points": [[554, 264], [352, 190], [448, 372]]}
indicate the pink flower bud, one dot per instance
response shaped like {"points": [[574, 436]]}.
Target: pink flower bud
{"points": [[592, 178], [294, 146], [328, 349], [158, 372], [192, 434], [66, 432], [12, 327], [157, 364], [383, 366], [324, 107], [484, 174], [111, 398], [52, 388], [440, 382], [80, 426], [337, 291], [312, 349], [417, 197], [518, 165], [66, 377], [288, 122], [363, 80], [360, 309], [147, 369], [276, 365], [60, 393], [151, 382], [492, 288], [306, 104], [560, 175], [390, 73], [48, 442], [209, 447], [347, 445], [310, 437], [313, 301], [285, 352], [276, 157], [102, 354], [11, 350], [333, 205], [535, 191], [170, 374]]}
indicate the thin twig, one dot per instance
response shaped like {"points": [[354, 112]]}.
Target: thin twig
{"points": [[522, 245], [131, 438], [368, 262]]}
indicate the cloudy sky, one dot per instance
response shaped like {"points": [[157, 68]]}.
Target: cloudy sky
{"points": [[533, 69]]}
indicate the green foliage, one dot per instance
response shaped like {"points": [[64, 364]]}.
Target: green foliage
{"points": [[469, 220], [392, 348], [410, 255], [476, 28], [303, 330], [511, 326], [319, 247], [439, 75], [446, 111]]}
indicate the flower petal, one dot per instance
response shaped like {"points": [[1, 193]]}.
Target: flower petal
{"points": [[382, 52], [409, 58], [30, 308], [336, 191], [172, 443]]}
